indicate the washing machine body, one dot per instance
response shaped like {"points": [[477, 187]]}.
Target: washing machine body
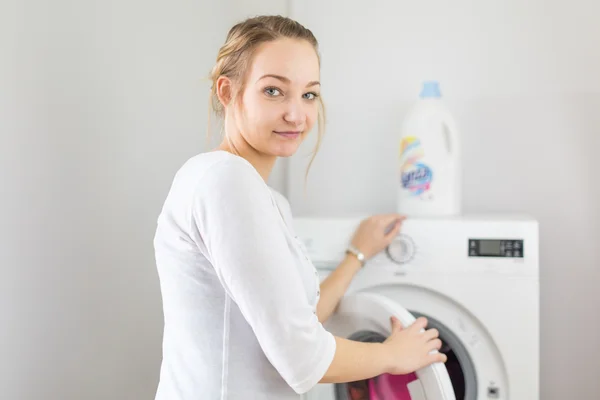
{"points": [[475, 278]]}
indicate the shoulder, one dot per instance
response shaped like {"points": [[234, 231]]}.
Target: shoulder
{"points": [[223, 176], [219, 169]]}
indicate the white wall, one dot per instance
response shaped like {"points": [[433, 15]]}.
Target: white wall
{"points": [[523, 81], [100, 102]]}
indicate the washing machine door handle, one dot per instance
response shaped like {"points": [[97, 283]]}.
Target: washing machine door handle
{"points": [[375, 310]]}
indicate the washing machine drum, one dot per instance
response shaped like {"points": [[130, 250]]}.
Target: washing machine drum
{"points": [[366, 317]]}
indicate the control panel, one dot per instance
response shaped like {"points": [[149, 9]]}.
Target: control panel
{"points": [[495, 248]]}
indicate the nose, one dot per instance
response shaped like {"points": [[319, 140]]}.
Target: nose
{"points": [[294, 113]]}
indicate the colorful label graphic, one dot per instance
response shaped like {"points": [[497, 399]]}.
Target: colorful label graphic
{"points": [[415, 175]]}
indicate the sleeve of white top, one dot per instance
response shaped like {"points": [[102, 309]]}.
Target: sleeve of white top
{"points": [[240, 228]]}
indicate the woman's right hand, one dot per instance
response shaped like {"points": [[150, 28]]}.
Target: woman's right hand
{"points": [[411, 349]]}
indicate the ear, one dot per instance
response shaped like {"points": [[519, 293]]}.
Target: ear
{"points": [[224, 90]]}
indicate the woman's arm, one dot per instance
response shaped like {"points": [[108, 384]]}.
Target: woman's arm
{"points": [[372, 235], [355, 361], [335, 285], [235, 224], [404, 351]]}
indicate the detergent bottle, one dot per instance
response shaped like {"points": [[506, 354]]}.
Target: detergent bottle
{"points": [[429, 163]]}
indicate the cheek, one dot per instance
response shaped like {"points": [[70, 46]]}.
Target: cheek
{"points": [[258, 112], [247, 114], [268, 112], [312, 114]]}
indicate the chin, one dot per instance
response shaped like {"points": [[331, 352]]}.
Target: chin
{"points": [[286, 150]]}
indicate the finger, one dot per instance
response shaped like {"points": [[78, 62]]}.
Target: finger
{"points": [[393, 220], [390, 226], [388, 219], [434, 344], [392, 216], [431, 334], [438, 357], [396, 324], [420, 323], [392, 230]]}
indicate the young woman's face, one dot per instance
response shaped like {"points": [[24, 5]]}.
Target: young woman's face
{"points": [[279, 104]]}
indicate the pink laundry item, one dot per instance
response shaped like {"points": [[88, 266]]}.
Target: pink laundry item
{"points": [[390, 387]]}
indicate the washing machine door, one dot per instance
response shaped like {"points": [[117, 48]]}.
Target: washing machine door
{"points": [[367, 313]]}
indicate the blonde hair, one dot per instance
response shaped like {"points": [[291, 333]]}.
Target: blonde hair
{"points": [[235, 57]]}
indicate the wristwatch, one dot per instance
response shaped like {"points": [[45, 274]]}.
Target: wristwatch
{"points": [[357, 253]]}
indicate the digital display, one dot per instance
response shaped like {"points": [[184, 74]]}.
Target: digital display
{"points": [[490, 247], [513, 248]]}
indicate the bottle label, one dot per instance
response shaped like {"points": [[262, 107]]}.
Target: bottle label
{"points": [[415, 175]]}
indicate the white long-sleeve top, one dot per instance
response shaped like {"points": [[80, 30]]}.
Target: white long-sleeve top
{"points": [[239, 291]]}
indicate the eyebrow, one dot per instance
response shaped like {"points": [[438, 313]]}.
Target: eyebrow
{"points": [[286, 80]]}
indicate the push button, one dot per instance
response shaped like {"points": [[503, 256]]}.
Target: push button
{"points": [[493, 392]]}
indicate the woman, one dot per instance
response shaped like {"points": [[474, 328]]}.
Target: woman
{"points": [[242, 303]]}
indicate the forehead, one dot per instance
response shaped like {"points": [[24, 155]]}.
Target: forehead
{"points": [[294, 59]]}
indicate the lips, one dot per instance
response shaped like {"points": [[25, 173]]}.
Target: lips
{"points": [[288, 134]]}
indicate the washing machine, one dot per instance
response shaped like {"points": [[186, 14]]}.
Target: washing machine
{"points": [[476, 280]]}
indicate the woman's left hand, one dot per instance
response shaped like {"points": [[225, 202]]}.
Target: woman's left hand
{"points": [[376, 233]]}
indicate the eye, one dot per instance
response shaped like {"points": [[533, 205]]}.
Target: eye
{"points": [[273, 92], [310, 96]]}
